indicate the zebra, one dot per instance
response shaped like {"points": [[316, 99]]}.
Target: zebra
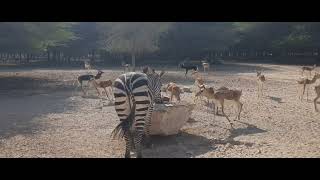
{"points": [[135, 94]]}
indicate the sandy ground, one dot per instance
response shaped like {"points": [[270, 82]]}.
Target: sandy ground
{"points": [[43, 115]]}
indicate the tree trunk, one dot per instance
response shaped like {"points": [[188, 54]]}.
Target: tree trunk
{"points": [[48, 56], [28, 58], [92, 56], [133, 60], [58, 57]]}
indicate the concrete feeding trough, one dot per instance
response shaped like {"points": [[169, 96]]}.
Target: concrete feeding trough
{"points": [[168, 119]]}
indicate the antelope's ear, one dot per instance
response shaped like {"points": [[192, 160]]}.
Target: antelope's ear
{"points": [[162, 73]]}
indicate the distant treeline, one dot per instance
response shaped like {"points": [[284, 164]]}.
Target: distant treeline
{"points": [[60, 43]]}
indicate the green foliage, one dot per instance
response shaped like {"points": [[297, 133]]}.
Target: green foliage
{"points": [[134, 37], [177, 39], [37, 36]]}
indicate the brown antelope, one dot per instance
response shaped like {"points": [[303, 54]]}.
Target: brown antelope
{"points": [[198, 83], [260, 80], [221, 96], [175, 91], [223, 88], [317, 90], [106, 85], [304, 68], [306, 82], [87, 77]]}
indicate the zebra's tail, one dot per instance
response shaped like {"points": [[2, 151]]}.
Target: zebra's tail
{"points": [[118, 132], [124, 125]]}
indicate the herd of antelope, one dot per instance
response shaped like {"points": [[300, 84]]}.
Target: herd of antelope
{"points": [[217, 96], [140, 90]]}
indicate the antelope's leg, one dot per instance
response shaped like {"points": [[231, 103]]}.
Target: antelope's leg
{"points": [[315, 103], [222, 108], [307, 93], [301, 90], [99, 93], [107, 93], [239, 104], [82, 89], [214, 109]]}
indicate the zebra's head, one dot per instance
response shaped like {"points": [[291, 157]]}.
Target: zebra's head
{"points": [[155, 84]]}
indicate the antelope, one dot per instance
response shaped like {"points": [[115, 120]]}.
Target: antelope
{"points": [[304, 68], [205, 65], [104, 85], [188, 67], [221, 96], [305, 82], [260, 80], [87, 65], [199, 82], [222, 88], [175, 91], [88, 77], [317, 90], [125, 66]]}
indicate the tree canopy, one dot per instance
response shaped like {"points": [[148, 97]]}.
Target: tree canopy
{"points": [[167, 39]]}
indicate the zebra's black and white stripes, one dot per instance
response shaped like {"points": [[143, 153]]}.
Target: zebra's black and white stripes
{"points": [[135, 94]]}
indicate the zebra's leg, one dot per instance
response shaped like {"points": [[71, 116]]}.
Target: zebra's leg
{"points": [[137, 143], [147, 127], [127, 137]]}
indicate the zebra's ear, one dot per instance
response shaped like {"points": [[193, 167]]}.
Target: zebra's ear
{"points": [[162, 73], [145, 69]]}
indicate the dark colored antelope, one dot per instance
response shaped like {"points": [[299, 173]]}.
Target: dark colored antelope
{"points": [[188, 67]]}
